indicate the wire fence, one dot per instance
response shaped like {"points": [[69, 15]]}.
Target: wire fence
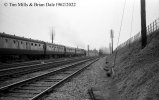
{"points": [[153, 27]]}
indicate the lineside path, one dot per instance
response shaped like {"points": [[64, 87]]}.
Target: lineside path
{"points": [[77, 88]]}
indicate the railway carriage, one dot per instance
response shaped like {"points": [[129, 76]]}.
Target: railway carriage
{"points": [[55, 50], [80, 52], [69, 51], [19, 46], [15, 47]]}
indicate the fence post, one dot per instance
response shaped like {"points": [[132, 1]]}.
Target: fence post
{"points": [[148, 31], [153, 26], [150, 28], [158, 24]]}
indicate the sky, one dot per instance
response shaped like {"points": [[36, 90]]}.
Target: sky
{"points": [[88, 22]]}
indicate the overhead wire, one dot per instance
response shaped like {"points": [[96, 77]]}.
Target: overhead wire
{"points": [[119, 32], [132, 19]]}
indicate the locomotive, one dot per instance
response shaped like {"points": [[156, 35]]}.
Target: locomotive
{"points": [[15, 47]]}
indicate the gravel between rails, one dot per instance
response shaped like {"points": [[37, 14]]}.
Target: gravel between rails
{"points": [[14, 79], [76, 89], [29, 75]]}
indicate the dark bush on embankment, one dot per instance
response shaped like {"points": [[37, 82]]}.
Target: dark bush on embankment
{"points": [[137, 70]]}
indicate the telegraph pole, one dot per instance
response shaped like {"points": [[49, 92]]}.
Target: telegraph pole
{"points": [[88, 50], [143, 25], [112, 36], [52, 34], [110, 48]]}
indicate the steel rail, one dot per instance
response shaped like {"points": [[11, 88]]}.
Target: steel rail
{"points": [[20, 83], [60, 82], [32, 68], [4, 66]]}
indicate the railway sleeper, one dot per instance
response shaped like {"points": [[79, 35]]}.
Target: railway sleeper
{"points": [[25, 92], [22, 95], [39, 85]]}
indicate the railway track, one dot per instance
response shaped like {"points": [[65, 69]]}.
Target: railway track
{"points": [[36, 87], [21, 70], [12, 65]]}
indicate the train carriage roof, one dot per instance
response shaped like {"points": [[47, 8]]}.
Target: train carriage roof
{"points": [[70, 47], [54, 44], [19, 38], [32, 40]]}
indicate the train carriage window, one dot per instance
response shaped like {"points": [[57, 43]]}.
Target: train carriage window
{"points": [[32, 44], [21, 42], [35, 44]]}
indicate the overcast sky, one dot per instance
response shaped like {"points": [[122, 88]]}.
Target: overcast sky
{"points": [[87, 23]]}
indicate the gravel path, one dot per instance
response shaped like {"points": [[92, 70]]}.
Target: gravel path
{"points": [[76, 89]]}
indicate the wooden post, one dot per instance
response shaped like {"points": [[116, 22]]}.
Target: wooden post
{"points": [[110, 48], [52, 38], [153, 26], [156, 25], [112, 36], [143, 24], [52, 34], [88, 50], [150, 29]]}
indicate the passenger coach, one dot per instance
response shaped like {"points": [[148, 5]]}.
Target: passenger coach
{"points": [[54, 50], [14, 45]]}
